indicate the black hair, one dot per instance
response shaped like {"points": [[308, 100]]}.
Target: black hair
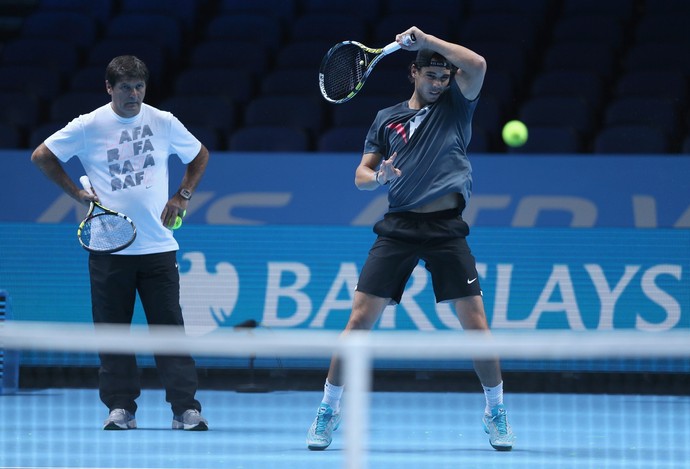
{"points": [[126, 67]]}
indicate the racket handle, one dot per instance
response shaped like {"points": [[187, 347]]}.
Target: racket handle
{"points": [[407, 39], [86, 183]]}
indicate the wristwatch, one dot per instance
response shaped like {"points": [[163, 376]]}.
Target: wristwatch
{"points": [[186, 194]]}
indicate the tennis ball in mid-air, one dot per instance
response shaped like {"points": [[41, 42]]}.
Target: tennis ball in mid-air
{"points": [[514, 133]]}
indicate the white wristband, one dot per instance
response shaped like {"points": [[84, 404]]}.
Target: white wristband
{"points": [[376, 177]]}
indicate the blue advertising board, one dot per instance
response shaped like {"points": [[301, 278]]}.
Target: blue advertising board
{"points": [[302, 277], [581, 191]]}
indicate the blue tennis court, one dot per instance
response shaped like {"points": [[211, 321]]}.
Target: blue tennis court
{"points": [[59, 427]]}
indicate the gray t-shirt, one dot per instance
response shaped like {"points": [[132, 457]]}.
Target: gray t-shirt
{"points": [[431, 145]]}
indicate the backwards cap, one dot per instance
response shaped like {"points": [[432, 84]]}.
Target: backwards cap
{"points": [[429, 58]]}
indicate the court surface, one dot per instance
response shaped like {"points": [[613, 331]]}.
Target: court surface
{"points": [[52, 428]]}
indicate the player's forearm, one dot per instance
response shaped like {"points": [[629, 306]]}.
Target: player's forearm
{"points": [[463, 58], [365, 179], [49, 165], [195, 170]]}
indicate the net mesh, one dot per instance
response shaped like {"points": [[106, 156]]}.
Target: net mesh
{"points": [[420, 418]]}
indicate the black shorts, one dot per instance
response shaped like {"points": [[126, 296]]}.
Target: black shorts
{"points": [[405, 238]]}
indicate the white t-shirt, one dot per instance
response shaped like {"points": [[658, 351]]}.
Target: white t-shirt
{"points": [[126, 160]]}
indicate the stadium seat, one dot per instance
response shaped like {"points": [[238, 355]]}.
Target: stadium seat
{"points": [[623, 9], [503, 56], [32, 80], [603, 29], [480, 142], [663, 27], [585, 84], [515, 28], [489, 115], [9, 136], [631, 139], [550, 139], [500, 85], [71, 104], [18, 110], [667, 56], [89, 78], [360, 111], [301, 81], [232, 55], [668, 84], [631, 48], [685, 145], [232, 85], [534, 7], [368, 10], [287, 111], [208, 136], [162, 30], [397, 21], [327, 27], [105, 50], [559, 111], [39, 133], [283, 9], [581, 55], [185, 11], [667, 6], [348, 139], [269, 138], [391, 82], [53, 54], [74, 28], [99, 11], [643, 110], [302, 54], [207, 111], [257, 28]]}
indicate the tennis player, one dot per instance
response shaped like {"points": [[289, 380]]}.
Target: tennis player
{"points": [[417, 149], [124, 147]]}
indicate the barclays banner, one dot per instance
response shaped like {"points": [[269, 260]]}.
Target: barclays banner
{"points": [[582, 191], [303, 276]]}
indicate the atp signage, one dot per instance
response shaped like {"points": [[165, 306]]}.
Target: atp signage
{"points": [[518, 191]]}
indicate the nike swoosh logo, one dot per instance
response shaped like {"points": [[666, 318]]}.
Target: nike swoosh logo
{"points": [[471, 281]]}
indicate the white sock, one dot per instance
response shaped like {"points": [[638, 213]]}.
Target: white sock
{"points": [[494, 397], [332, 395]]}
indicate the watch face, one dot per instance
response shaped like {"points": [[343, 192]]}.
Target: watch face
{"points": [[185, 194]]}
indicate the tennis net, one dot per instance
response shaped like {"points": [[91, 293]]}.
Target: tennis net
{"points": [[556, 427]]}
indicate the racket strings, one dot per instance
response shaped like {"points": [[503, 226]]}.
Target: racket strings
{"points": [[343, 71], [106, 232]]}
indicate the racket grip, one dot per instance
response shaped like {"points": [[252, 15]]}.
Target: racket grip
{"points": [[86, 183], [408, 39]]}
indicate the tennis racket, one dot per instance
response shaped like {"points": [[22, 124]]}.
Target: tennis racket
{"points": [[104, 231], [347, 65]]}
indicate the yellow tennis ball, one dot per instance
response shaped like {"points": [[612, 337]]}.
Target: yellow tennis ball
{"points": [[178, 220], [515, 133]]}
